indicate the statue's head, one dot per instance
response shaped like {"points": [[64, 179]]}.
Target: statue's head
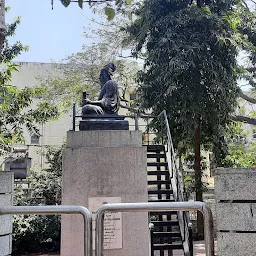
{"points": [[110, 67]]}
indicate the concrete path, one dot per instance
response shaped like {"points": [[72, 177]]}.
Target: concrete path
{"points": [[199, 250]]}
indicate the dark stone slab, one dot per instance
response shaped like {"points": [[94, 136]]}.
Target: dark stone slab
{"points": [[103, 122], [106, 116]]}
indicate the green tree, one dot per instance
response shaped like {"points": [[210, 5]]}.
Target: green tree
{"points": [[110, 7], [38, 233], [16, 112], [80, 72], [191, 69], [241, 152]]}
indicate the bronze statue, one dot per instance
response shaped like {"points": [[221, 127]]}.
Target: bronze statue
{"points": [[106, 73], [107, 103]]}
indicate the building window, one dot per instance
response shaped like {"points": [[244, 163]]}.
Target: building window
{"points": [[35, 139]]}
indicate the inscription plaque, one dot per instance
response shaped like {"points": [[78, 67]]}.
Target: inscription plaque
{"points": [[112, 222]]}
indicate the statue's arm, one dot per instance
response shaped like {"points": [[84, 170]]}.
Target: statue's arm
{"points": [[93, 102]]}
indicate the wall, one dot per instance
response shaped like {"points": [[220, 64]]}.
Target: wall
{"points": [[235, 191], [6, 199]]}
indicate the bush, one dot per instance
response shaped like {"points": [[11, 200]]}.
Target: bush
{"points": [[39, 233]]}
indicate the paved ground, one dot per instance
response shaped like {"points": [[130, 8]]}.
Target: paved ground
{"points": [[199, 250]]}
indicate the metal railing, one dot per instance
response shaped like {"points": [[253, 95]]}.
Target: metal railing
{"points": [[178, 187], [146, 207], [177, 182], [61, 209]]}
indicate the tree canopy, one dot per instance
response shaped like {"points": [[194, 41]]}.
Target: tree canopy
{"points": [[191, 68], [80, 71]]}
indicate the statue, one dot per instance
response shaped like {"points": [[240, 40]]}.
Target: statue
{"points": [[107, 103], [102, 114], [106, 73]]}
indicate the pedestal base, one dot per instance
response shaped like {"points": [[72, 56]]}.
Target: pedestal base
{"points": [[99, 167], [103, 122]]}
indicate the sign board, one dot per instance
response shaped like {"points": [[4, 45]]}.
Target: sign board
{"points": [[112, 222]]}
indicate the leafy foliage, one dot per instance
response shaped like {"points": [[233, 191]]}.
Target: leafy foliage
{"points": [[189, 177], [16, 112], [37, 233], [80, 72], [191, 67], [110, 7], [191, 70], [240, 152]]}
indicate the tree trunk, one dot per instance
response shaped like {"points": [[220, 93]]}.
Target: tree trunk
{"points": [[2, 24], [198, 181]]}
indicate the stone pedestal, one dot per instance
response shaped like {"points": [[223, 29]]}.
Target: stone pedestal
{"points": [[105, 166], [6, 194], [103, 122], [235, 191]]}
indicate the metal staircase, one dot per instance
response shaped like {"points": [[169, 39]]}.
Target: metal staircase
{"points": [[170, 231]]}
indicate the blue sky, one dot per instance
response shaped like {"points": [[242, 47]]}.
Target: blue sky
{"points": [[50, 34]]}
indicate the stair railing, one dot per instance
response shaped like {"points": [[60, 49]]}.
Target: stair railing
{"points": [[178, 187]]}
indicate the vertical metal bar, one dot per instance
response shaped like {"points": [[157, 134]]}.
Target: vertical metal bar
{"points": [[61, 209], [74, 118], [191, 249], [99, 232], [136, 122], [148, 131], [208, 229], [162, 132]]}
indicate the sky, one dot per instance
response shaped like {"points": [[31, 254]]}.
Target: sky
{"points": [[51, 34]]}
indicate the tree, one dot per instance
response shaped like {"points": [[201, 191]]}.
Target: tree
{"points": [[38, 233], [80, 71], [241, 153], [110, 7], [191, 69], [15, 104]]}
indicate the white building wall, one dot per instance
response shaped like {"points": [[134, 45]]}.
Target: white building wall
{"points": [[53, 133]]}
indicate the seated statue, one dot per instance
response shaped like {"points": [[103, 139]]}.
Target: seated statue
{"points": [[107, 103], [106, 73]]}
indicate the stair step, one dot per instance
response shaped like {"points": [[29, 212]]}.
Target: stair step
{"points": [[166, 223], [155, 148], [159, 182], [166, 234], [161, 200], [163, 213], [158, 173], [167, 246], [160, 192], [156, 155], [157, 164]]}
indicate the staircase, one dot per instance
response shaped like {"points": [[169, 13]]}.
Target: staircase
{"points": [[166, 236]]}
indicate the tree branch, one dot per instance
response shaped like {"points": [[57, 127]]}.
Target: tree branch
{"points": [[251, 69], [245, 119], [247, 98]]}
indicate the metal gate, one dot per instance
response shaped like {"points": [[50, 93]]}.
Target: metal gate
{"points": [[122, 207]]}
